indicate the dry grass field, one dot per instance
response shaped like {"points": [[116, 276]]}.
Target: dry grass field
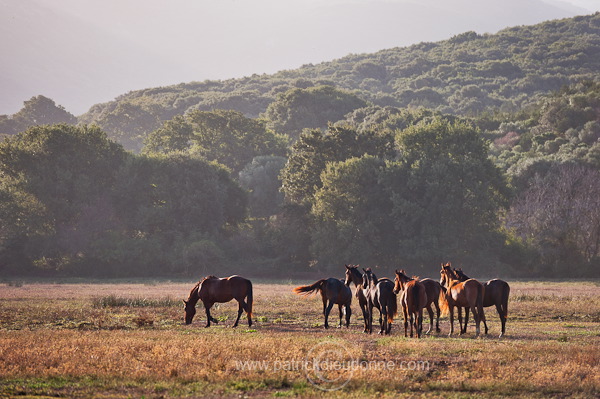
{"points": [[129, 340]]}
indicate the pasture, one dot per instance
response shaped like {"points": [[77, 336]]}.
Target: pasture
{"points": [[129, 340]]}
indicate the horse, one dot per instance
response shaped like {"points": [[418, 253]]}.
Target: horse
{"points": [[211, 290], [467, 294], [432, 288], [413, 300], [333, 291], [353, 275], [380, 295], [496, 293]]}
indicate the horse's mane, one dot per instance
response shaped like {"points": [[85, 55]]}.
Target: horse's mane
{"points": [[206, 278]]}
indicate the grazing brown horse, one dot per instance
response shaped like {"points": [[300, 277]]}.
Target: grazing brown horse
{"points": [[496, 293], [466, 294], [432, 288], [211, 290], [333, 291], [353, 275], [413, 300], [380, 295]]}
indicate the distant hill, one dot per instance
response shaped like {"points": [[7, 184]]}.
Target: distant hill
{"points": [[466, 75], [83, 52]]}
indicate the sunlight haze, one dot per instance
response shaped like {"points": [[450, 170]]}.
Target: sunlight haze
{"points": [[83, 52]]}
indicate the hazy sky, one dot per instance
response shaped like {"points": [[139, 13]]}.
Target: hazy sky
{"points": [[82, 52]]}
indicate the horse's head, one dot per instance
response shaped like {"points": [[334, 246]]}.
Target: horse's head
{"points": [[447, 275], [190, 311], [352, 275], [369, 278], [460, 275], [399, 280]]}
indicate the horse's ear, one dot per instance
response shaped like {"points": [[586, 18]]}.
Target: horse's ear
{"points": [[402, 271]]}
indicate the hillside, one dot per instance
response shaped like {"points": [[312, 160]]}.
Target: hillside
{"points": [[466, 75]]}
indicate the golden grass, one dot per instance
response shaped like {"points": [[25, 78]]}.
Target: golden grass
{"points": [[56, 340]]}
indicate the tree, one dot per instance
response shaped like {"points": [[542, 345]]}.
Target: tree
{"points": [[446, 193], [261, 178], [313, 107], [38, 110], [559, 214], [60, 178], [352, 210], [311, 153], [227, 137]]}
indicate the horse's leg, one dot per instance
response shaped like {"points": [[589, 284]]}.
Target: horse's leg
{"points": [[481, 316], [501, 313], [464, 331], [383, 319], [438, 311], [477, 317], [327, 311], [451, 315], [430, 311], [405, 314], [412, 322], [348, 314], [341, 315], [240, 311], [460, 320], [365, 313], [209, 318]]}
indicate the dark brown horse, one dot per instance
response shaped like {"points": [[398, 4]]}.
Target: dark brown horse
{"points": [[333, 291], [433, 289], [496, 293], [466, 294], [413, 300], [211, 290], [380, 295], [353, 275]]}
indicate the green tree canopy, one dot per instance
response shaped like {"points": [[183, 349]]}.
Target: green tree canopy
{"points": [[227, 137], [314, 107], [38, 110]]}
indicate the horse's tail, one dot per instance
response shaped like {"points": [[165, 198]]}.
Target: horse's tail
{"points": [[249, 299], [479, 303], [416, 291], [505, 294], [392, 308], [310, 289], [443, 302]]}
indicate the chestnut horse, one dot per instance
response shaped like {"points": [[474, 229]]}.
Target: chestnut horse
{"points": [[333, 291], [432, 288], [496, 293], [466, 294], [353, 275], [413, 300], [380, 295], [211, 290]]}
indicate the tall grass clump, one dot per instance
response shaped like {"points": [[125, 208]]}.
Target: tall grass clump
{"points": [[113, 301]]}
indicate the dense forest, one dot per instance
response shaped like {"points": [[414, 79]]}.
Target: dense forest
{"points": [[483, 150]]}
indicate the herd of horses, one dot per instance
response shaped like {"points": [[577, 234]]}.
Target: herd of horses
{"points": [[454, 290]]}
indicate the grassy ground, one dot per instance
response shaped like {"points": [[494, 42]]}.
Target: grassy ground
{"points": [[128, 340]]}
